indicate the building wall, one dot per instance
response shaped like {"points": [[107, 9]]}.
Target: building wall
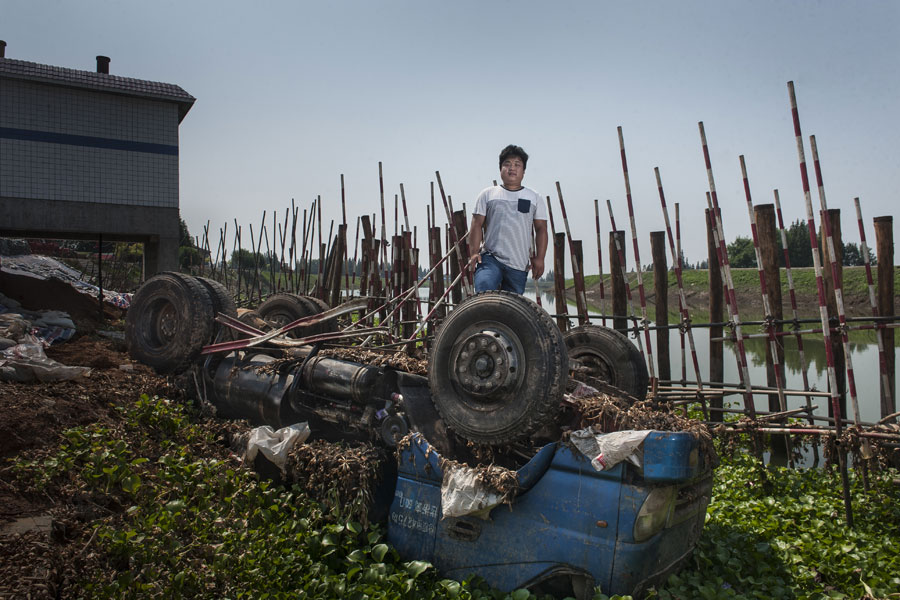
{"points": [[78, 163], [67, 144]]}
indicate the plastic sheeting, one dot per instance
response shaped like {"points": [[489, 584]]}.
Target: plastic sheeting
{"points": [[275, 445], [606, 450], [462, 494], [26, 361]]}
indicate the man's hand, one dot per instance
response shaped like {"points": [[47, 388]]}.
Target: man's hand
{"points": [[537, 266], [474, 260]]}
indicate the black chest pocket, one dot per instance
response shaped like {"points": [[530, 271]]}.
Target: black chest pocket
{"points": [[524, 205]]}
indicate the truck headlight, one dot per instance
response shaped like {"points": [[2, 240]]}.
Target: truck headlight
{"points": [[655, 512]]}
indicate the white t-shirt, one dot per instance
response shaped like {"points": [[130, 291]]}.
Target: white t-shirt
{"points": [[508, 220]]}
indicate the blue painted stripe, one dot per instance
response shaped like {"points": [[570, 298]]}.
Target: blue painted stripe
{"points": [[88, 141]]}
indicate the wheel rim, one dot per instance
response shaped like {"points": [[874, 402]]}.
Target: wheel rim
{"points": [[161, 323], [486, 366], [593, 365]]}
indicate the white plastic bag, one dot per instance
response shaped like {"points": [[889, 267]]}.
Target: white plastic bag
{"points": [[461, 494], [606, 450], [275, 445]]}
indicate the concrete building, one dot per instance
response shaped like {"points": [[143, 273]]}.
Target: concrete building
{"points": [[86, 154]]}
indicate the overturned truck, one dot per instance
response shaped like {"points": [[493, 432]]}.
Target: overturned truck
{"points": [[498, 371]]}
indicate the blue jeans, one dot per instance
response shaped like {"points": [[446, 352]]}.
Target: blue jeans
{"points": [[491, 274]]}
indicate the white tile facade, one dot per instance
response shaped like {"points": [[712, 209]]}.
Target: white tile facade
{"points": [[141, 169]]}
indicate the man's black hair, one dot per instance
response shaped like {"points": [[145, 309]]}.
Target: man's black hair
{"points": [[516, 151]]}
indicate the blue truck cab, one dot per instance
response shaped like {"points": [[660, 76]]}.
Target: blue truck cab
{"points": [[570, 527]]}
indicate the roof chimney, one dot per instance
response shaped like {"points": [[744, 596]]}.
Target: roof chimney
{"points": [[2, 49], [103, 64]]}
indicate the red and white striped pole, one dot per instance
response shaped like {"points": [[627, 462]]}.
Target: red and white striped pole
{"points": [[794, 312], [838, 291], [682, 300], [680, 265], [823, 310], [637, 262], [577, 273], [716, 216], [764, 290], [600, 262], [463, 262], [621, 252], [864, 249]]}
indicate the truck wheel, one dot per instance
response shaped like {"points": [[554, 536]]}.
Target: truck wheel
{"points": [[498, 368], [222, 300], [320, 306], [605, 354], [282, 309], [169, 321]]}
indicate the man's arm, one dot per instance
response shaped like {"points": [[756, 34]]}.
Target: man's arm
{"points": [[476, 236], [537, 261]]}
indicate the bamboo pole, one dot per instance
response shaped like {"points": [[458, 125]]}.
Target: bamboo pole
{"points": [[884, 244], [637, 261], [648, 353], [886, 395], [661, 289], [823, 312], [682, 299], [577, 273], [600, 261]]}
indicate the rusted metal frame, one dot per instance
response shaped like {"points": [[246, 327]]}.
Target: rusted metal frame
{"points": [[577, 272], [716, 215], [764, 290], [870, 281], [823, 310], [621, 253], [559, 277], [454, 239], [637, 260], [600, 262], [685, 326], [302, 322]]}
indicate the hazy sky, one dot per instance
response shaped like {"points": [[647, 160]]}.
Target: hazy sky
{"points": [[290, 95]]}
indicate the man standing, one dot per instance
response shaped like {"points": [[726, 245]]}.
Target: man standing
{"points": [[503, 219]]}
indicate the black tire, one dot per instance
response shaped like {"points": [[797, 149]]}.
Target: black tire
{"points": [[282, 309], [606, 355], [494, 393], [223, 301], [169, 321], [320, 306]]}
